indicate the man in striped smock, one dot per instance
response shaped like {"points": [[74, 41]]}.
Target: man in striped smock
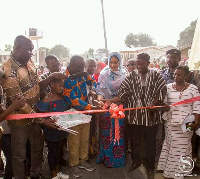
{"points": [[144, 87]]}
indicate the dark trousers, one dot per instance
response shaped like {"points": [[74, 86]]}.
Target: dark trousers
{"points": [[149, 134], [19, 138], [6, 148], [126, 135], [55, 153]]}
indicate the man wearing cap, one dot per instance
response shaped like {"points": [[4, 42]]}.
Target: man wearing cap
{"points": [[173, 60], [141, 88]]}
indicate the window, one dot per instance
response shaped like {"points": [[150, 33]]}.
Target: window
{"points": [[131, 55]]}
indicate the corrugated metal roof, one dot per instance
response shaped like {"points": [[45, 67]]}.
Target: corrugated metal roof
{"points": [[5, 52]]}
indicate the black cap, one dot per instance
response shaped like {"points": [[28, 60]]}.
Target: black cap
{"points": [[174, 51], [143, 56]]}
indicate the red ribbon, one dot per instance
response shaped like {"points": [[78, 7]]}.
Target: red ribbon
{"points": [[117, 112], [191, 100], [37, 115]]}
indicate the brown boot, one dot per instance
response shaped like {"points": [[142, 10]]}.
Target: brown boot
{"points": [[54, 173], [57, 168]]}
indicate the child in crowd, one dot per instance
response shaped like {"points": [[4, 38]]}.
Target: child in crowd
{"points": [[100, 66], [54, 102], [90, 67], [53, 65]]}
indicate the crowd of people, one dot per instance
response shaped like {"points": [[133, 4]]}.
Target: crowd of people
{"points": [[159, 130]]}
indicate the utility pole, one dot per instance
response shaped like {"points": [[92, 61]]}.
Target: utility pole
{"points": [[104, 28]]}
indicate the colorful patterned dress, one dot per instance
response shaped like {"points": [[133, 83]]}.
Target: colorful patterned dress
{"points": [[53, 106], [112, 153]]}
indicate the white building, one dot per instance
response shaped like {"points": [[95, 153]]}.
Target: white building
{"points": [[4, 55], [155, 52]]}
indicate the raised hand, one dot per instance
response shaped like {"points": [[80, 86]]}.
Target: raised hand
{"points": [[98, 103], [107, 102]]}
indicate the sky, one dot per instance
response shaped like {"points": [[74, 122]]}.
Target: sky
{"points": [[78, 25]]}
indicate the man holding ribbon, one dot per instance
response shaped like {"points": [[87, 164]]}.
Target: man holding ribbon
{"points": [[141, 88], [75, 93], [112, 147], [21, 80]]}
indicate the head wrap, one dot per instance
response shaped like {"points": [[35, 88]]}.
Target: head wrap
{"points": [[109, 81], [118, 56]]}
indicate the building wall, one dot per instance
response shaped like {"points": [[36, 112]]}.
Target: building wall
{"points": [[4, 55], [127, 55], [184, 53], [3, 58], [42, 55], [153, 53], [167, 48]]}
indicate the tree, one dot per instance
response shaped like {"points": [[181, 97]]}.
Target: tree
{"points": [[139, 40], [186, 36], [46, 49], [8, 47], [60, 51], [91, 52], [85, 55], [102, 50]]}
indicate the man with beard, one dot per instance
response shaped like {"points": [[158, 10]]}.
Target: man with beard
{"points": [[173, 60], [141, 88]]}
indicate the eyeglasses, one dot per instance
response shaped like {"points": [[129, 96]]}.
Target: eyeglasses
{"points": [[130, 64]]}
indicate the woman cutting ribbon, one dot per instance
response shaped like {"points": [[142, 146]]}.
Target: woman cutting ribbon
{"points": [[112, 152]]}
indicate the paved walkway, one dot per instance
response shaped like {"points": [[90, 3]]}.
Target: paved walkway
{"points": [[101, 172]]}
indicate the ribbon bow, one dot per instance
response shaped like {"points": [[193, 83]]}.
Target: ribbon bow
{"points": [[116, 112]]}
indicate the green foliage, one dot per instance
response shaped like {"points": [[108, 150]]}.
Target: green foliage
{"points": [[131, 40], [85, 55], [102, 50], [186, 36], [8, 47], [60, 51], [139, 40], [91, 52]]}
